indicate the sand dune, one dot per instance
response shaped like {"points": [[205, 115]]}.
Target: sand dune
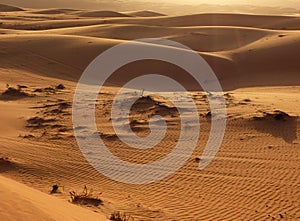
{"points": [[205, 39], [250, 65], [55, 11], [240, 20], [275, 55], [255, 175], [9, 8], [145, 14], [61, 57], [101, 14]]}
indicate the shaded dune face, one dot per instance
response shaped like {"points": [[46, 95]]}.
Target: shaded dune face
{"points": [[9, 8], [7, 165]]}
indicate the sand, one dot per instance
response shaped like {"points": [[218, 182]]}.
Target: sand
{"points": [[20, 202], [254, 176]]}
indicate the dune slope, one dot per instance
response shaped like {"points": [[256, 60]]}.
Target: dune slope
{"points": [[9, 8], [20, 202]]}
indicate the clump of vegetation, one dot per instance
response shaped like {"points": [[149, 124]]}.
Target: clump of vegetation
{"points": [[55, 189], [60, 87], [85, 198], [117, 216], [197, 159]]}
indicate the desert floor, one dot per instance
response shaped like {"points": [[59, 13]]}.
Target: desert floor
{"points": [[254, 176]]}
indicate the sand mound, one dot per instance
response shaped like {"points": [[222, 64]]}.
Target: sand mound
{"points": [[102, 14], [13, 94], [8, 8], [148, 106], [145, 14], [55, 11], [278, 124], [276, 115]]}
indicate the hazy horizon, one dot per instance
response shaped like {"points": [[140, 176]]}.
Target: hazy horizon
{"points": [[169, 6]]}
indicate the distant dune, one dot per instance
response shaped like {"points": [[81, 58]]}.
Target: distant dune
{"points": [[54, 11], [102, 14], [247, 48], [145, 14], [209, 20], [8, 8], [219, 19]]}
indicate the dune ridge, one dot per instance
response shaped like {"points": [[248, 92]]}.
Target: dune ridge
{"points": [[145, 14]]}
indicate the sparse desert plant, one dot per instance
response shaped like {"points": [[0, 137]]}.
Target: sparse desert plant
{"points": [[85, 198], [118, 216], [60, 87], [55, 189]]}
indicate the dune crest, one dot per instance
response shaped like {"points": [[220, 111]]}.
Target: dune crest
{"points": [[145, 14]]}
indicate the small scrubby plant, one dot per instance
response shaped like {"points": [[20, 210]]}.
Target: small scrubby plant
{"points": [[85, 198], [117, 216]]}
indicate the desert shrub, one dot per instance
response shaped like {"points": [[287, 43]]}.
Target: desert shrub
{"points": [[117, 216], [85, 198], [55, 189], [60, 87]]}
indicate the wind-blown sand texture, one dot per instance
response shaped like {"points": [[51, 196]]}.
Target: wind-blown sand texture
{"points": [[256, 173]]}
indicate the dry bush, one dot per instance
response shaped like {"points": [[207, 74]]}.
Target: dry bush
{"points": [[55, 189], [117, 216], [85, 198]]}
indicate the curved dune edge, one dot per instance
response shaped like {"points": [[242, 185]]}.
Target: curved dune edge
{"points": [[20, 202], [9, 8]]}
